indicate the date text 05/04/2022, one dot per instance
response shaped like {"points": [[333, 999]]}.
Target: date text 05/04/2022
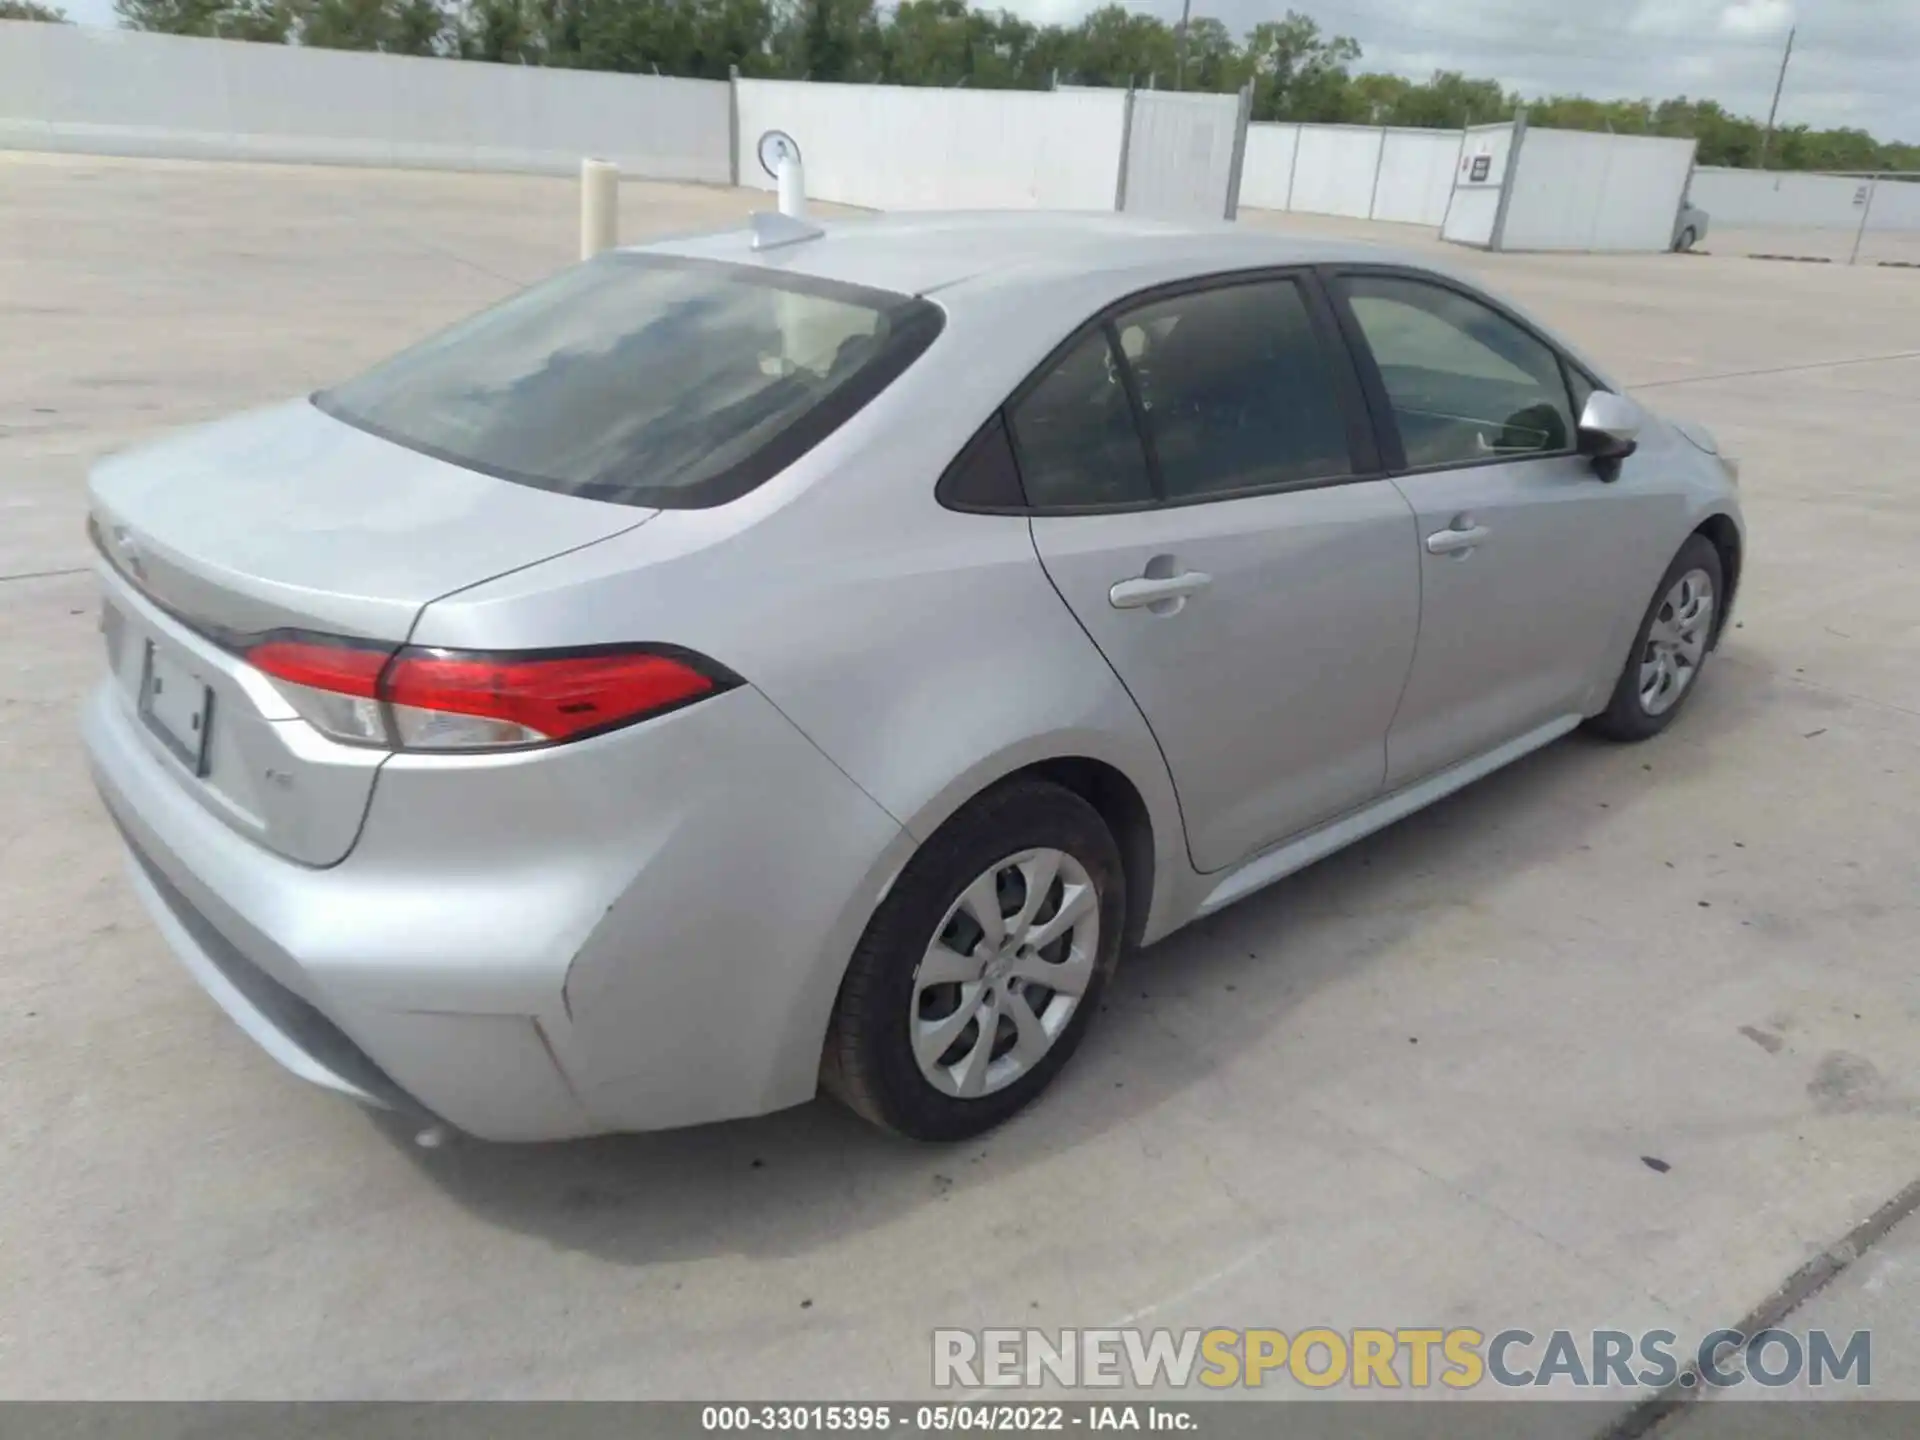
{"points": [[939, 1419]]}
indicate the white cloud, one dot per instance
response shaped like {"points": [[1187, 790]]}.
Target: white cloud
{"points": [[1757, 17]]}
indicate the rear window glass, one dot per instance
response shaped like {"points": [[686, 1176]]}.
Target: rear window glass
{"points": [[644, 379]]}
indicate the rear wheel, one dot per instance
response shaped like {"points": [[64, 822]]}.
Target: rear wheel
{"points": [[1688, 239], [1676, 636], [981, 970]]}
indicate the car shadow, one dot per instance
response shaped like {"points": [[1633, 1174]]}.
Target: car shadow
{"points": [[787, 1183]]}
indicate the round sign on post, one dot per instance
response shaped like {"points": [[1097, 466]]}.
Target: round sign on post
{"points": [[780, 158], [775, 146]]}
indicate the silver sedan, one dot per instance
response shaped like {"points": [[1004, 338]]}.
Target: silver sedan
{"points": [[792, 658]]}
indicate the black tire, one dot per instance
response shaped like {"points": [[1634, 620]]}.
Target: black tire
{"points": [[1688, 239], [868, 1064], [1626, 717]]}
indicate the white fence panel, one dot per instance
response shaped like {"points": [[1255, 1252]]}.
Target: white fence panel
{"points": [[1896, 206], [1266, 175], [1180, 154], [65, 87], [1768, 198], [1478, 182], [1575, 190], [289, 103], [912, 148], [1416, 176], [1334, 172]]}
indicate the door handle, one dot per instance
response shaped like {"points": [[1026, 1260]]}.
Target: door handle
{"points": [[1146, 591], [1455, 542]]}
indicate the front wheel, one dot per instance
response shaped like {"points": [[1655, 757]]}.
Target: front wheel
{"points": [[981, 970], [1688, 239], [1671, 648]]}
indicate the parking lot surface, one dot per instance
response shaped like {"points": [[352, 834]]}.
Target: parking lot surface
{"points": [[1424, 1083]]}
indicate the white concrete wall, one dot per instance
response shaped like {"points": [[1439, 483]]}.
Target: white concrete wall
{"points": [[1180, 154], [1475, 204], [915, 148], [1575, 190], [1335, 170], [1416, 176], [1772, 199], [1266, 175], [65, 87]]}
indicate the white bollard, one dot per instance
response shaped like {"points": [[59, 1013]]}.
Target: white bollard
{"points": [[599, 207], [792, 180]]}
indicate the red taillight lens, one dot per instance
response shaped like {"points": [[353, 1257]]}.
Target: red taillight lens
{"points": [[535, 699], [421, 699], [323, 665], [334, 684]]}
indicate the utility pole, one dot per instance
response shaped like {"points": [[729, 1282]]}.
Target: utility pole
{"points": [[1180, 66], [1766, 140]]}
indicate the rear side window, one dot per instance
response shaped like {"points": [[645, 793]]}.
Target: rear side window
{"points": [[1078, 442], [1465, 382], [644, 379], [1236, 390]]}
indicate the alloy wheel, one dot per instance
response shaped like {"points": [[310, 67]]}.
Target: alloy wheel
{"points": [[1676, 642], [1004, 972]]}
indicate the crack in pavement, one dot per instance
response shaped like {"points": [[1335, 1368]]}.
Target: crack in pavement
{"points": [[1778, 370], [1643, 1417]]}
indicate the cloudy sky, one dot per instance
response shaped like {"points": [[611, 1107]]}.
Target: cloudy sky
{"points": [[1857, 62]]}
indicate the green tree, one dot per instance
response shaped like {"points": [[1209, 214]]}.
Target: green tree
{"points": [[1116, 46], [28, 10], [831, 40], [1446, 101], [930, 42], [504, 31], [398, 27], [1299, 73], [266, 20], [1214, 61]]}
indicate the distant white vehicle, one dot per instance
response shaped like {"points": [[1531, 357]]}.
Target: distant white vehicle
{"points": [[1689, 226]]}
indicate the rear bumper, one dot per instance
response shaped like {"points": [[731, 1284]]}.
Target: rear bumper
{"points": [[295, 1034], [641, 930]]}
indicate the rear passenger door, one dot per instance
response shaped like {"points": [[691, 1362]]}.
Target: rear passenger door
{"points": [[1207, 498]]}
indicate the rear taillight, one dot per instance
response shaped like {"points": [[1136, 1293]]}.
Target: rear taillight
{"points": [[425, 699], [334, 684]]}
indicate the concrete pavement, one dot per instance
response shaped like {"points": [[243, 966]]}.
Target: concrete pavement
{"points": [[1878, 1293], [1420, 1084]]}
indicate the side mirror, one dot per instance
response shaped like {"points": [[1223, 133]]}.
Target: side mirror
{"points": [[1609, 431]]}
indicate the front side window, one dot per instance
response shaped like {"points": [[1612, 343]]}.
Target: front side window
{"points": [[1465, 383], [1236, 390], [644, 379]]}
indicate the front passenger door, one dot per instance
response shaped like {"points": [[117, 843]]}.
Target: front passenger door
{"points": [[1201, 471], [1521, 544]]}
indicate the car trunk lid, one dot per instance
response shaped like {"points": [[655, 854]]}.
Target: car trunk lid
{"points": [[287, 519]]}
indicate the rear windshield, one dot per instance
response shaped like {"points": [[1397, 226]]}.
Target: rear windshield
{"points": [[644, 379]]}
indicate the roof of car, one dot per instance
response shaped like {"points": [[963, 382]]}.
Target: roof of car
{"points": [[919, 253]]}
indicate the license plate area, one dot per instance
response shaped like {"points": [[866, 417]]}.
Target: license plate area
{"points": [[177, 707]]}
